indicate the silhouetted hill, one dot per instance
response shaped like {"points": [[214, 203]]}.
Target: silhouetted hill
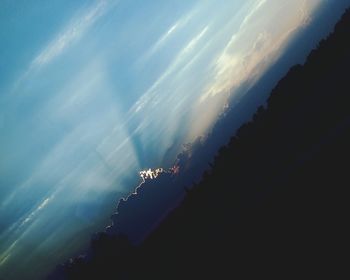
{"points": [[141, 212], [282, 179]]}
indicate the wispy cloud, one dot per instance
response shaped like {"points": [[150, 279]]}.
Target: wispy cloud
{"points": [[253, 11], [35, 211], [70, 34], [76, 28], [181, 23], [16, 229], [180, 58]]}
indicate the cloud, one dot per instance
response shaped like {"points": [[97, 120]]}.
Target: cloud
{"points": [[70, 34], [252, 12], [162, 41], [178, 61], [77, 27], [255, 46], [35, 211]]}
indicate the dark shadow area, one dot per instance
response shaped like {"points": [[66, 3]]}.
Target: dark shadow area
{"points": [[273, 203]]}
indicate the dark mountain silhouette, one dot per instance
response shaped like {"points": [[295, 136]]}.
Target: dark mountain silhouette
{"points": [[273, 203], [142, 210]]}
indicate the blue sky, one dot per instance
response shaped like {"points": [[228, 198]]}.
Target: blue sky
{"points": [[91, 92]]}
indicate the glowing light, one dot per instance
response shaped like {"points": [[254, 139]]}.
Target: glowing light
{"points": [[154, 173], [175, 169], [151, 174]]}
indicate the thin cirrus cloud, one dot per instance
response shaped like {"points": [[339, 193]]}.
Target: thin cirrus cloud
{"points": [[175, 66], [70, 34], [67, 37], [162, 41]]}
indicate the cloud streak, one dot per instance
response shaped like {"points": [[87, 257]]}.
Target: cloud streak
{"points": [[77, 27], [162, 41], [179, 60], [70, 34]]}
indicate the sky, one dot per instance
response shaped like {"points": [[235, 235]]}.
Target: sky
{"points": [[92, 92]]}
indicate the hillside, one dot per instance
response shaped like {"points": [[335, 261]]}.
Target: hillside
{"points": [[282, 180]]}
